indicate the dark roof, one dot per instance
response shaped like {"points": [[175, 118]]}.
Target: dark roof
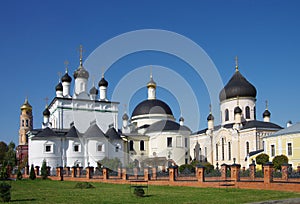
{"points": [[154, 106], [81, 72], [260, 124], [59, 87], [246, 125], [46, 112], [73, 132], [103, 82], [66, 78], [210, 117], [125, 117], [94, 91], [255, 152], [47, 132], [238, 86], [166, 125], [113, 134], [266, 113], [94, 131]]}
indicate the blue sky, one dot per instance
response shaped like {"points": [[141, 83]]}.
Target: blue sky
{"points": [[38, 36]]}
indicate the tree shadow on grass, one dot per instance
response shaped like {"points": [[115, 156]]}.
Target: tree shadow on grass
{"points": [[20, 200]]}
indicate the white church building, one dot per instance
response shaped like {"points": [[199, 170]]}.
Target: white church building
{"points": [[240, 134]]}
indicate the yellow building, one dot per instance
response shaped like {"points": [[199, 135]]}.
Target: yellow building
{"points": [[286, 142]]}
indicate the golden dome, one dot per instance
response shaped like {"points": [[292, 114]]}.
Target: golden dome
{"points": [[26, 105]]}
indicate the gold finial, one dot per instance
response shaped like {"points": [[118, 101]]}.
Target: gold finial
{"points": [[236, 64], [80, 54], [59, 76], [66, 62], [102, 72], [151, 75], [267, 105], [46, 100]]}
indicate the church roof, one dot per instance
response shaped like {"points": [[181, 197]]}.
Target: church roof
{"points": [[66, 78], [238, 86], [103, 82], [73, 132], [154, 106], [166, 125], [47, 132], [246, 125], [94, 91], [287, 131], [112, 134], [59, 87], [94, 131]]}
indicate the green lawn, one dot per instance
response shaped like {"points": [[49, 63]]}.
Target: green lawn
{"points": [[46, 191]]}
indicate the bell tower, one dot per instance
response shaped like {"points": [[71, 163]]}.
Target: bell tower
{"points": [[25, 122]]}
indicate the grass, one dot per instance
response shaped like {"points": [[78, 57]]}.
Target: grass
{"points": [[47, 191]]}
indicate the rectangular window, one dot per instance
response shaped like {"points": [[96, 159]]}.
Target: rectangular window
{"points": [[186, 142], [48, 148], [205, 152], [117, 149], [272, 150], [169, 141], [178, 141], [100, 148], [229, 151], [289, 148], [76, 148], [26, 122]]}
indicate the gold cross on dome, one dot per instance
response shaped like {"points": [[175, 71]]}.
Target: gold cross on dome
{"points": [[266, 104], [236, 64], [210, 108], [66, 62], [46, 100]]}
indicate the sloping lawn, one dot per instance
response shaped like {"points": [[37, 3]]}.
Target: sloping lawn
{"points": [[47, 191]]}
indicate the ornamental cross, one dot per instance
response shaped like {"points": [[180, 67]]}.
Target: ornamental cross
{"points": [[236, 63], [66, 62]]}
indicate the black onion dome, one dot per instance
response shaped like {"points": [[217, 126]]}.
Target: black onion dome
{"points": [[266, 113], [66, 78], [181, 119], [46, 112], [166, 125], [94, 91], [125, 117], [238, 86], [210, 117], [103, 82], [81, 72], [154, 106], [59, 87], [237, 110]]}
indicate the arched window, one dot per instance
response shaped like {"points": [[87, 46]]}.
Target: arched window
{"points": [[226, 115], [130, 145], [254, 109], [223, 150], [247, 112], [247, 148], [142, 145], [229, 151]]}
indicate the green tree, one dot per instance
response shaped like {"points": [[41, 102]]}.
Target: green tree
{"points": [[112, 164], [262, 159], [3, 150], [10, 155], [44, 173], [279, 160], [32, 175]]}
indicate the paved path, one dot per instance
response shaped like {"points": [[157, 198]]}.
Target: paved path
{"points": [[287, 201]]}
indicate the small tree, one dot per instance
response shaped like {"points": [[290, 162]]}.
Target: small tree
{"points": [[19, 175], [262, 159], [32, 175], [279, 160], [44, 173], [5, 192]]}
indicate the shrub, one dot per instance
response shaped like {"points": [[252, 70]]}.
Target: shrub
{"points": [[5, 192], [139, 192], [84, 185], [44, 173], [279, 160], [186, 167], [32, 175], [262, 159], [19, 175]]}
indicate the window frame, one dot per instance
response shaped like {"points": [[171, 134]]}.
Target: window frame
{"points": [[169, 142]]}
